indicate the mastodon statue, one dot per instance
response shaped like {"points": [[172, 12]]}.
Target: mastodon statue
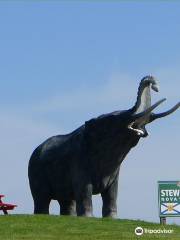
{"points": [[71, 168]]}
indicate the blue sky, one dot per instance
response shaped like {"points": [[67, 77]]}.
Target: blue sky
{"points": [[62, 63]]}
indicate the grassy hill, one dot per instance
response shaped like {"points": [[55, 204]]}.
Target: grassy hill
{"points": [[43, 227]]}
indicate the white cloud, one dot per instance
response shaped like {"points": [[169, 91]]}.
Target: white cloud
{"points": [[118, 92], [114, 93]]}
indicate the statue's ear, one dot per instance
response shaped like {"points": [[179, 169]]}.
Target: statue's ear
{"points": [[100, 123], [90, 125]]}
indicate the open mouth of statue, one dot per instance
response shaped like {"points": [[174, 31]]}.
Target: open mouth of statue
{"points": [[136, 129]]}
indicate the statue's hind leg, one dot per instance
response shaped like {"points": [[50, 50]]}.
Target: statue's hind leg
{"points": [[67, 207], [41, 205], [40, 192]]}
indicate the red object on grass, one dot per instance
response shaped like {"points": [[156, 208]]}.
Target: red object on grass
{"points": [[6, 206]]}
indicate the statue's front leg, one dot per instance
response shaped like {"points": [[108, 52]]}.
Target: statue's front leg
{"points": [[84, 201], [109, 198]]}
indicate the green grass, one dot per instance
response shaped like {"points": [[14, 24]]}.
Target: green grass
{"points": [[43, 227]]}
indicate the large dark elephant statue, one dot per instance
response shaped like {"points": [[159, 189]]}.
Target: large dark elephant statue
{"points": [[71, 168]]}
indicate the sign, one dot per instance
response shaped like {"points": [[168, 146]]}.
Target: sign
{"points": [[169, 198]]}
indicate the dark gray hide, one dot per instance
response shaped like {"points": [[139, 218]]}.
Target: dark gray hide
{"points": [[70, 168]]}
